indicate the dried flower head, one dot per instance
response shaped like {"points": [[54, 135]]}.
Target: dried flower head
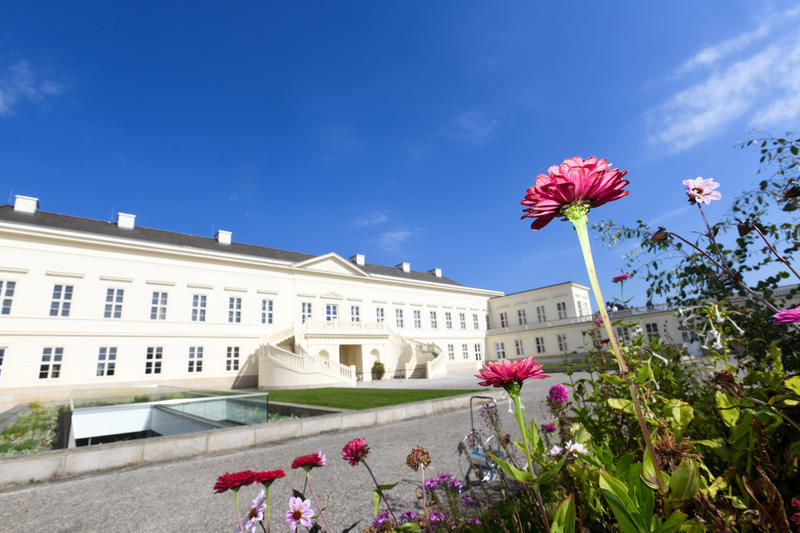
{"points": [[355, 451], [787, 316], [671, 453], [586, 182], [727, 381], [309, 461], [701, 190], [660, 234], [418, 456], [510, 374], [234, 481]]}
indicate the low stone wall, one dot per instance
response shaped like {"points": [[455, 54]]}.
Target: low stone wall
{"points": [[75, 461]]}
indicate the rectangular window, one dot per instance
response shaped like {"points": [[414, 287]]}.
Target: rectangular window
{"points": [[198, 308], [62, 300], [434, 323], [540, 314], [521, 318], [305, 312], [106, 360], [379, 315], [623, 334], [539, 344], [478, 355], [195, 358], [500, 348], [488, 321], [476, 324], [518, 347], [503, 320], [465, 351], [355, 313], [448, 320], [398, 316], [562, 309], [562, 342], [6, 296], [266, 311], [580, 308], [158, 307], [234, 309], [113, 303], [2, 356], [152, 362], [451, 352], [232, 358], [652, 330], [462, 320], [51, 363], [331, 312], [417, 319]]}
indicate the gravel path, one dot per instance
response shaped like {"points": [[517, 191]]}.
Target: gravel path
{"points": [[177, 496]]}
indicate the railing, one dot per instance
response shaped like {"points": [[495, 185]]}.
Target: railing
{"points": [[310, 364], [438, 366], [341, 325], [640, 310], [541, 325]]}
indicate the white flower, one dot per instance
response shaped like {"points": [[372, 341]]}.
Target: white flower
{"points": [[571, 447]]}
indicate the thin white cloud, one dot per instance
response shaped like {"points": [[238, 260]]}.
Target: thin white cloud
{"points": [[391, 240], [474, 126], [371, 219], [22, 84], [761, 87], [669, 215]]}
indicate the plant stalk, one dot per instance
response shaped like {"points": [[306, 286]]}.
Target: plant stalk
{"points": [[581, 228], [381, 492], [322, 514], [236, 506], [521, 422]]}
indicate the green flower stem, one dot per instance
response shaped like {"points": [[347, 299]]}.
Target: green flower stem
{"points": [[521, 421], [262, 525], [236, 506], [580, 222], [378, 487]]}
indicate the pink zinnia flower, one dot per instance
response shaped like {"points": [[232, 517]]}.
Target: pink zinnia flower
{"points": [[510, 374], [299, 513], [309, 461], [549, 428], [558, 393], [576, 180], [701, 190], [355, 451], [234, 481], [787, 316], [621, 277]]}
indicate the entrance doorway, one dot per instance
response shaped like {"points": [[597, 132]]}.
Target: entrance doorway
{"points": [[350, 354]]}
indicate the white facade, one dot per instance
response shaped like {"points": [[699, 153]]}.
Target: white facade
{"points": [[83, 304]]}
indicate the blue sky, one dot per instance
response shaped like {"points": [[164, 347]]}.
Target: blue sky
{"points": [[407, 131]]}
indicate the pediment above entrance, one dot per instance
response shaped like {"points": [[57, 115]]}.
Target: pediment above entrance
{"points": [[333, 263]]}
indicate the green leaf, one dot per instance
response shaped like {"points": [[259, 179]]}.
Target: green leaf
{"points": [[728, 407], [645, 374], [548, 473], [613, 379], [679, 414], [535, 440], [564, 519], [685, 481], [648, 474], [672, 523], [793, 384], [520, 475], [409, 526], [386, 487], [621, 403], [616, 495], [376, 499], [710, 443]]}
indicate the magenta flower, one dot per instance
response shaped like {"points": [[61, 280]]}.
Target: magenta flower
{"points": [[309, 461], [796, 516], [549, 428], [586, 181], [787, 316], [510, 374], [558, 393], [621, 277], [355, 450], [299, 513], [701, 190]]}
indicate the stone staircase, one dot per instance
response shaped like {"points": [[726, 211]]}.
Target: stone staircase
{"points": [[425, 354]]}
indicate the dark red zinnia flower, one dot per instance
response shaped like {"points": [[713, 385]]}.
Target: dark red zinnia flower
{"points": [[234, 481], [266, 478], [355, 450], [621, 277], [309, 461], [576, 180]]}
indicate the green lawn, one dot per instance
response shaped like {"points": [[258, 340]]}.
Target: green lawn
{"points": [[359, 398]]}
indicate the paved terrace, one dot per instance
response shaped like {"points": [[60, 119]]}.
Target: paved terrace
{"points": [[177, 495]]}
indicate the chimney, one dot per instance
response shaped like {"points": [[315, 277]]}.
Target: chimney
{"points": [[25, 204], [405, 266], [126, 220], [223, 237], [358, 259], [436, 272]]}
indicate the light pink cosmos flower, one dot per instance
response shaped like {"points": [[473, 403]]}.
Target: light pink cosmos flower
{"points": [[701, 190], [509, 373], [299, 513], [576, 180], [787, 316]]}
